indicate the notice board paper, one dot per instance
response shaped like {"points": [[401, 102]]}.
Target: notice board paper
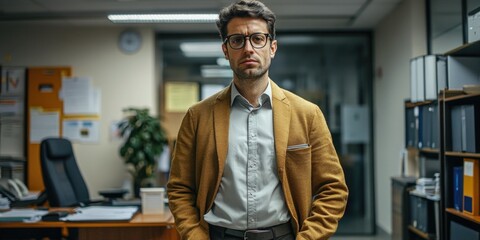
{"points": [[43, 124]]}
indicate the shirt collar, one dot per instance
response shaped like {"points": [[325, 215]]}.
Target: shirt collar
{"points": [[266, 95]]}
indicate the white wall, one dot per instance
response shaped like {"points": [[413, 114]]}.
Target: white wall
{"points": [[124, 80], [399, 37]]}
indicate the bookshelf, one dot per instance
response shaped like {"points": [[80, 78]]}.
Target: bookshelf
{"points": [[446, 154], [452, 157], [423, 161]]}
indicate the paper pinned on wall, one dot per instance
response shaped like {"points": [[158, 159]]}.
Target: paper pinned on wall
{"points": [[11, 106], [79, 96], [13, 81], [179, 96], [44, 124], [11, 137], [82, 131]]}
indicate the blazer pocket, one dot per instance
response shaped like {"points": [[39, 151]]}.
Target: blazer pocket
{"points": [[298, 146], [299, 157]]}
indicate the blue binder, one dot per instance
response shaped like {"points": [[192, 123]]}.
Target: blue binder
{"points": [[458, 188]]}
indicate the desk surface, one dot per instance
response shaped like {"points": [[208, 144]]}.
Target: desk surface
{"points": [[153, 227], [139, 220]]}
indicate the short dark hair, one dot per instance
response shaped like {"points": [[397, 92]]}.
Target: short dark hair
{"points": [[245, 8]]}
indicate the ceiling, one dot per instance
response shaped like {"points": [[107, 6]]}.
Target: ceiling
{"points": [[291, 15]]}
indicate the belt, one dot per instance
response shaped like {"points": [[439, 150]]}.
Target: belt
{"points": [[256, 234]]}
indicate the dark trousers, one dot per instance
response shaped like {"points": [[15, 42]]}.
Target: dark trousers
{"points": [[219, 233]]}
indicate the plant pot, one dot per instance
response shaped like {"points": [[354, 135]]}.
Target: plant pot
{"points": [[142, 183]]}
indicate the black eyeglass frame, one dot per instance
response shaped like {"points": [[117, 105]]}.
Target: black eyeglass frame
{"points": [[268, 35]]}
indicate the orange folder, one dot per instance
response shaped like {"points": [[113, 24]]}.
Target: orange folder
{"points": [[471, 179]]}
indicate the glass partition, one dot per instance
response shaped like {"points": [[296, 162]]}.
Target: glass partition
{"points": [[445, 27]]}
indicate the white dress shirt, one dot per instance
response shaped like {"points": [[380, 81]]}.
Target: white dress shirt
{"points": [[250, 194]]}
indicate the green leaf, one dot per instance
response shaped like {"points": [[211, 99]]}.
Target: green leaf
{"points": [[145, 141]]}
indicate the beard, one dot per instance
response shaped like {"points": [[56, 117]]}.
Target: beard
{"points": [[250, 73]]}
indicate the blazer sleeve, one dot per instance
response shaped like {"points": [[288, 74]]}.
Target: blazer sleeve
{"points": [[328, 184], [181, 188]]}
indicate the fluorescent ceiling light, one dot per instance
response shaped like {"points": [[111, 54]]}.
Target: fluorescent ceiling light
{"points": [[202, 49], [163, 18], [223, 62], [215, 71]]}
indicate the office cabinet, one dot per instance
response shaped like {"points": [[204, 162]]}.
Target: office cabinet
{"points": [[400, 214]]}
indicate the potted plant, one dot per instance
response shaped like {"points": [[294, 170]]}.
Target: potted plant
{"points": [[144, 142]]}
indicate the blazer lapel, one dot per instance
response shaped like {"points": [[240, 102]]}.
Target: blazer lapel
{"points": [[221, 121], [281, 125]]}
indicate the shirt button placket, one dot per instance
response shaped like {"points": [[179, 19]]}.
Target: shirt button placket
{"points": [[251, 170]]}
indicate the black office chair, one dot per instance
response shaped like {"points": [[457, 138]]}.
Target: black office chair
{"points": [[63, 181]]}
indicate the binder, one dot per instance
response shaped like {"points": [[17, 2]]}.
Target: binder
{"points": [[435, 143], [456, 129], [420, 79], [435, 74], [473, 25], [410, 127], [413, 80], [422, 213], [470, 142], [458, 188], [465, 133], [420, 118], [427, 126], [442, 82], [471, 186]]}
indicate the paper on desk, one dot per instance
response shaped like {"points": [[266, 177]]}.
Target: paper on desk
{"points": [[18, 215], [102, 213]]}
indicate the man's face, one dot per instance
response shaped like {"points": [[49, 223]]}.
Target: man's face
{"points": [[249, 62]]}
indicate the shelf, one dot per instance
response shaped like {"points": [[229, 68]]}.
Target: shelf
{"points": [[420, 233], [430, 150], [446, 94], [469, 49], [462, 97], [462, 154], [453, 211], [416, 104]]}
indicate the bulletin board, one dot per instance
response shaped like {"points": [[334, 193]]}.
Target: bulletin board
{"points": [[12, 116], [45, 114]]}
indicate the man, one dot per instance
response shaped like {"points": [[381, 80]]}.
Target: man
{"points": [[254, 161]]}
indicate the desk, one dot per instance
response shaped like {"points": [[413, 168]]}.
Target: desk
{"points": [[148, 227]]}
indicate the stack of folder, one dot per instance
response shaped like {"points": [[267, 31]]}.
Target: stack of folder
{"points": [[425, 186]]}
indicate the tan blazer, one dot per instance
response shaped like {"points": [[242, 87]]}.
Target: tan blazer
{"points": [[311, 177]]}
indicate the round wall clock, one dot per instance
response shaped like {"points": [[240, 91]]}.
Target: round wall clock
{"points": [[129, 41]]}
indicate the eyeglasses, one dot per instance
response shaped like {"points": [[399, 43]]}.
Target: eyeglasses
{"points": [[257, 40]]}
